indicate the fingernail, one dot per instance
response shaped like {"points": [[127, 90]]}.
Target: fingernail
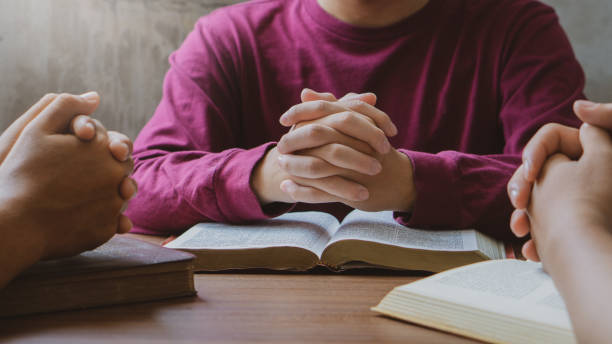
{"points": [[586, 104], [524, 251], [121, 148], [135, 187], [90, 96], [527, 168], [127, 151], [283, 120], [287, 186], [394, 130], [363, 194], [513, 193], [385, 146], [513, 217], [375, 168]]}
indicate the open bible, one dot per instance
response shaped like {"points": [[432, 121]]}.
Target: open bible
{"points": [[301, 241], [501, 301]]}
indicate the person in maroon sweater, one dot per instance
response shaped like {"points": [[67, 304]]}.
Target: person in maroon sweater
{"points": [[458, 87]]}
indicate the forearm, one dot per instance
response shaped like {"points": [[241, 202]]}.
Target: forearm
{"points": [[460, 190], [580, 263], [20, 246], [180, 189]]}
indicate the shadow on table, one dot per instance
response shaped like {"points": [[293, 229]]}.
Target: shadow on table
{"points": [[92, 319]]}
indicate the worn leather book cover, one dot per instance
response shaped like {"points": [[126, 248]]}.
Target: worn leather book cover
{"points": [[123, 270]]}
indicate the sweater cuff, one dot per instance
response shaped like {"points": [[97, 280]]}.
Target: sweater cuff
{"points": [[438, 193], [235, 198]]}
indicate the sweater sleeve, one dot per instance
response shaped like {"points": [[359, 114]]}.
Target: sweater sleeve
{"points": [[539, 81], [187, 163]]}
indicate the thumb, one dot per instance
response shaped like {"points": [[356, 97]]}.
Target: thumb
{"points": [[10, 135], [551, 163], [594, 140], [309, 95], [593, 113], [56, 117], [369, 98]]}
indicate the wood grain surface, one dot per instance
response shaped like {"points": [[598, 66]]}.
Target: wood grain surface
{"points": [[241, 308]]}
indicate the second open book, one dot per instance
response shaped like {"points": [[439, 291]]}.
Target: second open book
{"points": [[301, 241], [500, 301]]}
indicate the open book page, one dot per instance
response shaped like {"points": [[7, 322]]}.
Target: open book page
{"points": [[381, 227], [309, 230], [517, 289]]}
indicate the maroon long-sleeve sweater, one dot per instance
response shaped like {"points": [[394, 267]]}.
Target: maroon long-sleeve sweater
{"points": [[467, 82]]}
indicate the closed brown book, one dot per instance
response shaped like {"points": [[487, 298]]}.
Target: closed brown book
{"points": [[123, 270]]}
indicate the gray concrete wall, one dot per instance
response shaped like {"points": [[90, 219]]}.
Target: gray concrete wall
{"points": [[120, 48], [117, 47], [589, 26]]}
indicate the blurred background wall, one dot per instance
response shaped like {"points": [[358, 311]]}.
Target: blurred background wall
{"points": [[120, 48], [117, 47], [589, 26]]}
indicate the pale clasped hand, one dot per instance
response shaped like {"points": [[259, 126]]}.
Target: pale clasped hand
{"points": [[339, 151]]}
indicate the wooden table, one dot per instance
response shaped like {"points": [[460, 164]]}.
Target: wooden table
{"points": [[241, 307]]}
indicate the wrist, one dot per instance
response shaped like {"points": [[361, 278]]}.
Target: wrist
{"points": [[559, 243], [266, 180], [579, 248], [407, 190]]}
